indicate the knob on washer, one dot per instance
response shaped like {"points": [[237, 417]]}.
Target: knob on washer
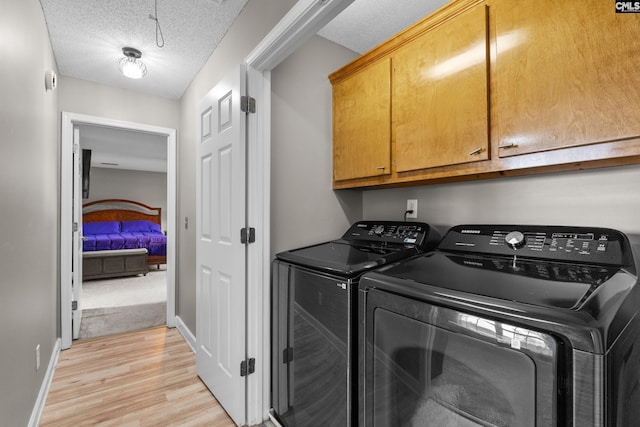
{"points": [[515, 240]]}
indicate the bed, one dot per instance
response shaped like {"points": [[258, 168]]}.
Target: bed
{"points": [[118, 224]]}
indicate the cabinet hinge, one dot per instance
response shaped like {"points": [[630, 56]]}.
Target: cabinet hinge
{"points": [[74, 305], [247, 104], [247, 236], [247, 367]]}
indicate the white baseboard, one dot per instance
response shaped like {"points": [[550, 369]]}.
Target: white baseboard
{"points": [[186, 333], [38, 408], [272, 421]]}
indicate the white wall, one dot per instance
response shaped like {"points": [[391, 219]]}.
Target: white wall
{"points": [[29, 176], [93, 99], [607, 197], [85, 97], [253, 23], [149, 188], [304, 208]]}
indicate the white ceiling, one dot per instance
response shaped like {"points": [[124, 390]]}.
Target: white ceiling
{"points": [[87, 37], [366, 23], [124, 149]]}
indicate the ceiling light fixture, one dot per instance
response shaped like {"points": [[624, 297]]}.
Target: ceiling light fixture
{"points": [[131, 65]]}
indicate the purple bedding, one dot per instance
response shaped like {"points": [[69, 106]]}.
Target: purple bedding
{"points": [[110, 235]]}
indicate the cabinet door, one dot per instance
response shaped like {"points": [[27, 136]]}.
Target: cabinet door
{"points": [[440, 104], [566, 74], [362, 123]]}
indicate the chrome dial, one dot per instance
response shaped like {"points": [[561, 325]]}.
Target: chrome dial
{"points": [[515, 240]]}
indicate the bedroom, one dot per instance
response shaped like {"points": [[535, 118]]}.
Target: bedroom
{"points": [[124, 166]]}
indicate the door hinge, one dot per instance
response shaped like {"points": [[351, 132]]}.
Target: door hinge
{"points": [[287, 355], [247, 367], [74, 227], [247, 236], [247, 104], [74, 305]]}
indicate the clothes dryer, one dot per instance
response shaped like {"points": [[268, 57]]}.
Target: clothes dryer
{"points": [[504, 325], [314, 322]]}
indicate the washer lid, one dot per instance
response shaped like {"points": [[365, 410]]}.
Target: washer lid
{"points": [[364, 246], [346, 258], [535, 282]]}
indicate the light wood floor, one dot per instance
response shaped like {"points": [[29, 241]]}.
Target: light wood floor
{"points": [[144, 378]]}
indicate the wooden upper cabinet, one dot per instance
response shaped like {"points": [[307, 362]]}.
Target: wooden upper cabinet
{"points": [[488, 88], [362, 123], [566, 74], [440, 96]]}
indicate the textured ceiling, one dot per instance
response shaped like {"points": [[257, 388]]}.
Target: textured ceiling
{"points": [[87, 37], [366, 23]]}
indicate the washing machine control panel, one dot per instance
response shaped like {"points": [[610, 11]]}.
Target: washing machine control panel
{"points": [[572, 244], [390, 232]]}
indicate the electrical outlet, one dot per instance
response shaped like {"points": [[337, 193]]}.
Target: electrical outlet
{"points": [[412, 205], [37, 357]]}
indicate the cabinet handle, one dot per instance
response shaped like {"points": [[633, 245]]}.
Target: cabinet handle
{"points": [[381, 168], [509, 145], [476, 151]]}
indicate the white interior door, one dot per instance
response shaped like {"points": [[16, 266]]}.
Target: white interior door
{"points": [[76, 278], [220, 255]]}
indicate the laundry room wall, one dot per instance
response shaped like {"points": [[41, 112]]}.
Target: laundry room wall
{"points": [[608, 197], [304, 208]]}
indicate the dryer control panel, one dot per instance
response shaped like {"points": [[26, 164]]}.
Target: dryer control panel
{"points": [[572, 244], [416, 234]]}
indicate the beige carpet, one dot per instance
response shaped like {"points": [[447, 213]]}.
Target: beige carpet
{"points": [[113, 306], [125, 291]]}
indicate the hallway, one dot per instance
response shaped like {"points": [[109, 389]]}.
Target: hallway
{"points": [[143, 378]]}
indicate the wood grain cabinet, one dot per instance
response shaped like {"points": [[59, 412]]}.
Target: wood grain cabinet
{"points": [[482, 89], [361, 123], [567, 75], [440, 99]]}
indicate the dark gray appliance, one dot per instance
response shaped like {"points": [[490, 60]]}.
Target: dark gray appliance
{"points": [[313, 297], [504, 326]]}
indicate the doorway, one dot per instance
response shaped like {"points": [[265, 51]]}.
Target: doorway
{"points": [[70, 283], [302, 21]]}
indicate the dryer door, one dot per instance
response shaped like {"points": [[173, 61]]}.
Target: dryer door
{"points": [[311, 350], [430, 365]]}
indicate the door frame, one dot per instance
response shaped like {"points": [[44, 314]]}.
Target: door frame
{"points": [[69, 120], [300, 24]]}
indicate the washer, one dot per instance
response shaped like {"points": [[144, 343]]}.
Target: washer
{"points": [[504, 325], [313, 297]]}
